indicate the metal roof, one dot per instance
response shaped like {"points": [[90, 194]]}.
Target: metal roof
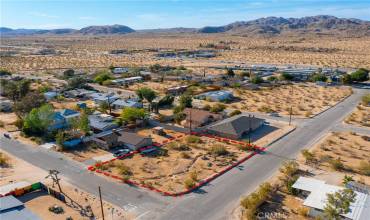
{"points": [[359, 210], [13, 209]]}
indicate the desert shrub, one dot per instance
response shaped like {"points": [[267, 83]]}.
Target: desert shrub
{"points": [[1, 124], [303, 211], [192, 139], [185, 155], [289, 168], [218, 150], [265, 109], [189, 183], [123, 169], [364, 168], [206, 107], [308, 156], [365, 99], [177, 146], [255, 199], [235, 112], [193, 175], [289, 183], [336, 164], [4, 160], [217, 108]]}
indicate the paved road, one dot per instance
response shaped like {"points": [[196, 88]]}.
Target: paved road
{"points": [[213, 201]]}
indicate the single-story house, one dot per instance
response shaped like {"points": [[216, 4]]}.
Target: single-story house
{"points": [[101, 122], [129, 80], [50, 95], [216, 96], [120, 103], [62, 119], [5, 104], [78, 93], [100, 98], [119, 70], [315, 193], [178, 90], [235, 127], [115, 138], [198, 118], [11, 208]]}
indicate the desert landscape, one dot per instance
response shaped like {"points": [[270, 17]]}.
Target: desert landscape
{"points": [[93, 52]]}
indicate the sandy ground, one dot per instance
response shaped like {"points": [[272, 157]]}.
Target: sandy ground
{"points": [[84, 153], [351, 148], [158, 138], [306, 99], [159, 87], [20, 170], [360, 116], [169, 172], [91, 51]]}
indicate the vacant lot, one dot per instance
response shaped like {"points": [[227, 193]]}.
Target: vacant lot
{"points": [[306, 99], [159, 87], [91, 51], [361, 116], [179, 164], [346, 153]]}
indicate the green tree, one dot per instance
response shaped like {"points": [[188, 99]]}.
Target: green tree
{"points": [[38, 120], [132, 114], [84, 123], [60, 138], [104, 107], [29, 102], [319, 77], [68, 73], [102, 76], [15, 90], [347, 179], [186, 101], [76, 82], [147, 94], [4, 72], [287, 76], [338, 203], [230, 72], [256, 80], [347, 79], [360, 75]]}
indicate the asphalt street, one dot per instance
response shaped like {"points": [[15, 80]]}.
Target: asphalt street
{"points": [[214, 201]]}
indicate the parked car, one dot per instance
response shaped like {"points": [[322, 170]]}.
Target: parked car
{"points": [[121, 152], [148, 150], [274, 114]]}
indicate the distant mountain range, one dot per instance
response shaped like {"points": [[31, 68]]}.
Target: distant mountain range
{"points": [[270, 26]]}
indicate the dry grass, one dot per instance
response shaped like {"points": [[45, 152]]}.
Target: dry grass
{"points": [[361, 116], [177, 162], [92, 51], [306, 99]]}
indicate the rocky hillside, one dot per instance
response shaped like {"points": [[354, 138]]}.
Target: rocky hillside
{"points": [[270, 26], [322, 24]]}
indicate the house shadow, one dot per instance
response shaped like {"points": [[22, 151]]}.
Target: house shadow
{"points": [[260, 132], [199, 191], [32, 195]]}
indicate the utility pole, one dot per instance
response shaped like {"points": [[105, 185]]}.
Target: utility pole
{"points": [[190, 120], [101, 204], [250, 129], [291, 108], [54, 176]]}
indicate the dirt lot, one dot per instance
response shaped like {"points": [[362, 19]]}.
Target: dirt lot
{"points": [[84, 153], [159, 87], [306, 99], [77, 51], [352, 149], [19, 170], [177, 162], [361, 116], [158, 138]]}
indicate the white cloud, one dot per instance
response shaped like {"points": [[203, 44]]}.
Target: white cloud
{"points": [[44, 15], [86, 18]]}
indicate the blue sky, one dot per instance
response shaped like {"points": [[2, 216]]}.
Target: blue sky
{"points": [[146, 14]]}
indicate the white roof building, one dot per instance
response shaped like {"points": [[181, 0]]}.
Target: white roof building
{"points": [[317, 198]]}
